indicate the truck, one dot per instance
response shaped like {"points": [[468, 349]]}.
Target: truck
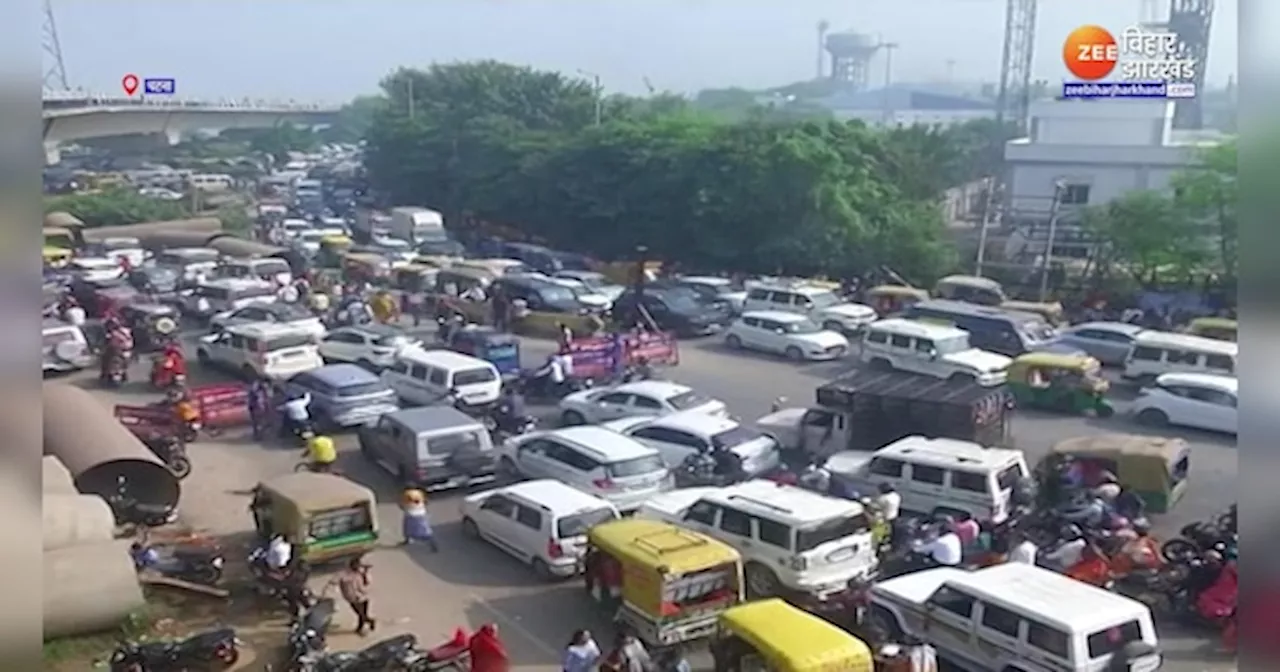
{"points": [[416, 225], [867, 410]]}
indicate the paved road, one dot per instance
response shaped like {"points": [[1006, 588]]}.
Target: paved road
{"points": [[469, 583]]}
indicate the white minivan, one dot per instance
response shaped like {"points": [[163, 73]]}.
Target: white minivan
{"points": [[1158, 352], [1017, 617], [937, 476], [428, 376], [929, 349], [260, 349]]}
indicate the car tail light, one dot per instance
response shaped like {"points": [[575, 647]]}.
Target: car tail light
{"points": [[554, 549], [799, 563], [604, 484]]}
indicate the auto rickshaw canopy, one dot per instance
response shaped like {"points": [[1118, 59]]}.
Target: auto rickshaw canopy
{"points": [[792, 640], [994, 291], [1051, 311], [666, 548], [1145, 464], [309, 492], [1221, 328], [1022, 364]]}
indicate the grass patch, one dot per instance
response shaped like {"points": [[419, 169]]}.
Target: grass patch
{"points": [[135, 626]]}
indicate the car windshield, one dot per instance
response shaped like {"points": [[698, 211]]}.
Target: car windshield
{"points": [[636, 467], [591, 280], [458, 442], [737, 436], [578, 524], [474, 376], [836, 528], [393, 340], [951, 346], [272, 266], [686, 400], [824, 300], [287, 341], [362, 389], [557, 293], [802, 327], [1036, 330], [682, 301]]}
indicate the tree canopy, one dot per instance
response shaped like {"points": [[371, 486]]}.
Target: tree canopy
{"points": [[761, 191]]}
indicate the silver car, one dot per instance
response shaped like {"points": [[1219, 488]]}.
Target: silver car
{"points": [[1107, 342]]}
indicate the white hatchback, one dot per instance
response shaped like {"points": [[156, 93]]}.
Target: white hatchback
{"points": [[646, 397], [795, 336], [592, 459], [681, 435], [1199, 400], [541, 523]]}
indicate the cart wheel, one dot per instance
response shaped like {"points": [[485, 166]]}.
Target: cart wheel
{"points": [[180, 466]]}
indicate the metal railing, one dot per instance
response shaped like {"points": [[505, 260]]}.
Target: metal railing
{"points": [[74, 100]]}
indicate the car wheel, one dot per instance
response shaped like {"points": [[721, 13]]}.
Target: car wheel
{"points": [[470, 529], [794, 354], [962, 378], [882, 621], [761, 581], [572, 419], [508, 470], [1153, 417], [880, 364], [833, 326], [541, 569], [733, 342]]}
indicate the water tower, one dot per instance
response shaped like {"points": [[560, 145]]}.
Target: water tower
{"points": [[851, 55]]}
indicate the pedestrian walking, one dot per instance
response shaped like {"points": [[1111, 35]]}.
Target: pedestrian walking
{"points": [[628, 655], [415, 522], [259, 401], [353, 583], [582, 653], [501, 305]]}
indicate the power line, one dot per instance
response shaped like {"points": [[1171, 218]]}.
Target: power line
{"points": [[55, 76]]}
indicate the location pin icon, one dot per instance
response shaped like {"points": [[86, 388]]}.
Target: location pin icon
{"points": [[130, 84]]}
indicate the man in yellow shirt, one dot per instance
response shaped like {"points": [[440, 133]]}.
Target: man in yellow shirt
{"points": [[323, 453]]}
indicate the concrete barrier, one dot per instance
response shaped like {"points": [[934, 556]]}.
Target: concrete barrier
{"points": [[102, 456], [76, 520], [88, 589], [56, 479]]}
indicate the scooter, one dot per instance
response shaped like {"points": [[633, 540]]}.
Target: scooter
{"points": [[173, 452], [215, 649], [116, 369], [288, 587], [308, 633], [197, 564]]}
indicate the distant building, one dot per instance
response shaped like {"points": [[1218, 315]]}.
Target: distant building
{"points": [[904, 105], [1098, 150]]}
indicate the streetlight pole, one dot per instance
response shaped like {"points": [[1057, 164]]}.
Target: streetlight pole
{"points": [[888, 47], [599, 94], [1059, 189]]}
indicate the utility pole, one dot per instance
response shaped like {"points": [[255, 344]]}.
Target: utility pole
{"points": [[599, 94], [1059, 190], [888, 47]]}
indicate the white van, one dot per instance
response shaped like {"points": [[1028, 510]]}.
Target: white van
{"points": [[220, 296], [1159, 352], [930, 349], [1017, 617], [942, 476], [193, 264], [260, 349], [427, 376], [266, 269], [818, 303]]}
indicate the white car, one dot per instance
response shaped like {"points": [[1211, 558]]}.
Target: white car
{"points": [[1199, 400], [592, 459], [160, 194], [541, 523], [284, 314], [819, 302], [594, 282], [646, 397], [680, 435], [373, 346], [260, 350], [95, 269], [584, 295], [795, 336]]}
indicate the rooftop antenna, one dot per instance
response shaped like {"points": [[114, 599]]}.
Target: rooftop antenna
{"points": [[55, 76]]}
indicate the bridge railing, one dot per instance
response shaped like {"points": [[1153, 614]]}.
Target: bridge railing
{"points": [[70, 101]]}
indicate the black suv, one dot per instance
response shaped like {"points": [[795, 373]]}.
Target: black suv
{"points": [[673, 309], [540, 294]]}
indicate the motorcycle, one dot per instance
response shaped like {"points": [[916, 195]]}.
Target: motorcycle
{"points": [[115, 371], [537, 387], [214, 649], [506, 426], [1195, 538], [288, 587], [197, 564], [164, 377], [129, 511], [308, 634], [173, 453]]}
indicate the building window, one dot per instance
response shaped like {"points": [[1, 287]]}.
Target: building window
{"points": [[1075, 194]]}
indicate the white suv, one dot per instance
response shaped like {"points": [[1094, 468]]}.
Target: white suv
{"points": [[260, 349], [542, 523], [790, 538], [930, 349], [819, 303]]}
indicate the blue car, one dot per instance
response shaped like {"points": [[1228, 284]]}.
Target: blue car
{"points": [[344, 395]]}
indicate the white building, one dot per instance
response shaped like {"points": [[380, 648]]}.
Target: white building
{"points": [[905, 105], [1099, 149]]}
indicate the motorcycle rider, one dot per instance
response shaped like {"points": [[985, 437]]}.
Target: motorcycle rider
{"points": [[322, 453], [171, 365], [509, 414], [551, 378], [118, 347], [297, 414], [1070, 552], [71, 311], [1205, 573], [728, 465], [944, 550]]}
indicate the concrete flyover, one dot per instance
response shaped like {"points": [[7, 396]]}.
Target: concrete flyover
{"points": [[78, 117]]}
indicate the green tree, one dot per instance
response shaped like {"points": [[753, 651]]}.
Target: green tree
{"points": [[1208, 193], [1147, 234], [116, 207], [354, 119], [279, 140]]}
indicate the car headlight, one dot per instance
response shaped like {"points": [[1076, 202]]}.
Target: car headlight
{"points": [[217, 563]]}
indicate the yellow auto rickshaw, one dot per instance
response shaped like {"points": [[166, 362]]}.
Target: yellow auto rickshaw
{"points": [[56, 257], [1051, 311], [1059, 382], [1220, 328], [415, 278], [332, 250], [1156, 468], [773, 635], [365, 266], [327, 516], [893, 299], [971, 289], [668, 583], [452, 284]]}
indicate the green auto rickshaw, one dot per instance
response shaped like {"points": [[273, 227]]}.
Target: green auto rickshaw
{"points": [[1153, 467], [1219, 328], [1060, 382]]}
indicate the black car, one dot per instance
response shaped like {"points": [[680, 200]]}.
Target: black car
{"points": [[540, 294], [155, 279], [672, 308], [704, 292]]}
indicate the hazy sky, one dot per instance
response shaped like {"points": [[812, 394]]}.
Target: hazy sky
{"points": [[334, 49]]}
